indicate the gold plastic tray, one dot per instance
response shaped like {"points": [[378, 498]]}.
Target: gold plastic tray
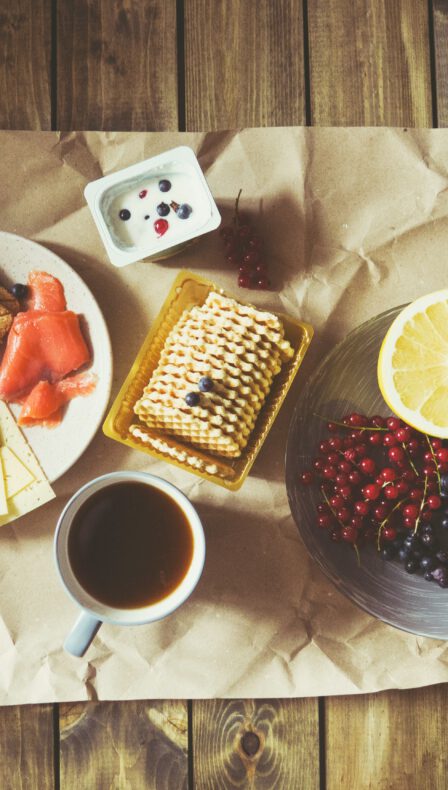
{"points": [[187, 291]]}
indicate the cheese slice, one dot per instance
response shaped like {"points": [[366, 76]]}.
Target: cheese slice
{"points": [[3, 502], [38, 490], [16, 475]]}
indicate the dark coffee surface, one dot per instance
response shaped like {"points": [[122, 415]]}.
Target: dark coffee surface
{"points": [[130, 545]]}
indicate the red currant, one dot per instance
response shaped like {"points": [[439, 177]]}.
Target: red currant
{"points": [[434, 502], [368, 466], [393, 423], [442, 455], [325, 521], [362, 508], [349, 534], [411, 511], [371, 491], [357, 420], [306, 478], [396, 454], [391, 492]]}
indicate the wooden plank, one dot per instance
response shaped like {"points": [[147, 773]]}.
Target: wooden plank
{"points": [[388, 740], [25, 47], [138, 745], [26, 747], [261, 744], [440, 34], [369, 63], [244, 64], [116, 65]]}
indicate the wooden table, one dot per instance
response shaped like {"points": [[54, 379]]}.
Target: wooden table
{"points": [[206, 65]]}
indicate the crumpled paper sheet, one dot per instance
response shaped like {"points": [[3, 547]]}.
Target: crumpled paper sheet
{"points": [[355, 221]]}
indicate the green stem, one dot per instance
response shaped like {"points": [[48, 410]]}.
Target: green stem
{"points": [[422, 505], [435, 462], [385, 520], [334, 514], [351, 427], [411, 463]]}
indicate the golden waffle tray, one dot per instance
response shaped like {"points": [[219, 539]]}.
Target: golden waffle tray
{"points": [[187, 291]]}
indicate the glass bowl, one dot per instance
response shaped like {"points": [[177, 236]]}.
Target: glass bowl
{"points": [[346, 381]]}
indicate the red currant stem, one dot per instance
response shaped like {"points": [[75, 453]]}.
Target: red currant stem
{"points": [[422, 504], [351, 427], [411, 463], [236, 216], [435, 462], [385, 520], [358, 558], [341, 452], [334, 514]]}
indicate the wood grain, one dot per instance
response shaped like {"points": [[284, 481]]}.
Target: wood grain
{"points": [[138, 745], [116, 65], [243, 64], [440, 18], [369, 63], [26, 748], [25, 47], [261, 744], [388, 740]]}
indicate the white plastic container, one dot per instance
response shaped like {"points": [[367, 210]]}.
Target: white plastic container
{"points": [[154, 208]]}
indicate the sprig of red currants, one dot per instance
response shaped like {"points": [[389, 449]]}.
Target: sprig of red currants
{"points": [[244, 249], [384, 482]]}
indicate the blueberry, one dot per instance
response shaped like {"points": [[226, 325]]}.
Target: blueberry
{"points": [[19, 290], [428, 529], [444, 522], [403, 554], [429, 541], [205, 384], [444, 486], [427, 563], [411, 566], [388, 552], [441, 576], [412, 541], [163, 209], [164, 185], [192, 399], [442, 556], [398, 543], [184, 211], [125, 214], [428, 576]]}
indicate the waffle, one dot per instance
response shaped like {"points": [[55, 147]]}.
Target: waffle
{"points": [[240, 349]]}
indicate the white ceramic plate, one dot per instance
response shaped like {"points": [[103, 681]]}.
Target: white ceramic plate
{"points": [[58, 448]]}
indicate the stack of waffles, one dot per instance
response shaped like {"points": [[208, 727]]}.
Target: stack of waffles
{"points": [[237, 348]]}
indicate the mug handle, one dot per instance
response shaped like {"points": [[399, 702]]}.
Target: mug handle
{"points": [[82, 634]]}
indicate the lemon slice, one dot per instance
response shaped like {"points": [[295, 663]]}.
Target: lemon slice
{"points": [[413, 364]]}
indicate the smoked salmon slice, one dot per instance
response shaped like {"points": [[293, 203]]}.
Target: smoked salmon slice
{"points": [[44, 345], [45, 401], [41, 346], [46, 293]]}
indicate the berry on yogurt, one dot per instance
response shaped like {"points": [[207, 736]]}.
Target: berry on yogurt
{"points": [[184, 211], [143, 193], [163, 209], [161, 226], [125, 214], [164, 185]]}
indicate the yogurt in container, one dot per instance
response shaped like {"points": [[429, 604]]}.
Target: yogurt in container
{"points": [[154, 208]]}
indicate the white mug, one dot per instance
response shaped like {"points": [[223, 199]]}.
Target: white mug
{"points": [[94, 612]]}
